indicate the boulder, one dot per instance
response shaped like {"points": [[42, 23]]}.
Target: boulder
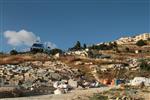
{"points": [[55, 76], [72, 83], [78, 63], [37, 63], [56, 84], [18, 77], [138, 80], [59, 91], [14, 82], [57, 55]]}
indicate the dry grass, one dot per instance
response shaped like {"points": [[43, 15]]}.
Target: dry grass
{"points": [[16, 59]]}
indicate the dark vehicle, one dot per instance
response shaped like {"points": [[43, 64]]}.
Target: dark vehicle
{"points": [[37, 47]]}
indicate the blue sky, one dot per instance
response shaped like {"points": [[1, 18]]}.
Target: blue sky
{"points": [[63, 22]]}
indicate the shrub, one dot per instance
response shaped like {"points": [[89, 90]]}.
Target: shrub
{"points": [[1, 53], [84, 46], [104, 46], [36, 51], [13, 52], [55, 51], [144, 65], [141, 43], [127, 49], [77, 46]]}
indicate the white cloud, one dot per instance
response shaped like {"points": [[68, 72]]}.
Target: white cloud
{"points": [[21, 37], [51, 45]]}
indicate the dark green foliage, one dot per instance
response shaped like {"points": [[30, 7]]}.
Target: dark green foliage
{"points": [[84, 46], [55, 51], [127, 49], [13, 52], [141, 43], [36, 51], [1, 53], [47, 51], [77, 46], [104, 46], [115, 44], [144, 65], [98, 97]]}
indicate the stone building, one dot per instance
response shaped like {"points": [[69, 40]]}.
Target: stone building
{"points": [[132, 40], [143, 36]]}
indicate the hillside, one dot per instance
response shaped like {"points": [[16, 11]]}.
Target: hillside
{"points": [[35, 73]]}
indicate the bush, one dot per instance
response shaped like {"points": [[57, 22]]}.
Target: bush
{"points": [[141, 43], [13, 52], [104, 46], [144, 65], [36, 51], [77, 46], [1, 53], [127, 49], [84, 46], [55, 51]]}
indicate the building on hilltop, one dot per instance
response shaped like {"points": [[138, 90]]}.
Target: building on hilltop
{"points": [[144, 36], [133, 40]]}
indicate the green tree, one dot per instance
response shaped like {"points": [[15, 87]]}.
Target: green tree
{"points": [[55, 51], [77, 45], [140, 43], [84, 46], [13, 52], [104, 46], [115, 44], [1, 53], [144, 65], [127, 49]]}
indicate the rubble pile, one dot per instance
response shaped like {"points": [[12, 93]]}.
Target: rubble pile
{"points": [[130, 65], [133, 64], [29, 77]]}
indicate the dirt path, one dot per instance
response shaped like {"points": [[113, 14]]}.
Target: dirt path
{"points": [[73, 95]]}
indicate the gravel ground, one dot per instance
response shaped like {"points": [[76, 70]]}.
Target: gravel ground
{"points": [[72, 95]]}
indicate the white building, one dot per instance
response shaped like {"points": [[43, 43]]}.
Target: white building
{"points": [[127, 40], [143, 36]]}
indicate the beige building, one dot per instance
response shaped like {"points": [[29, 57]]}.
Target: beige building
{"points": [[144, 36], [127, 40]]}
